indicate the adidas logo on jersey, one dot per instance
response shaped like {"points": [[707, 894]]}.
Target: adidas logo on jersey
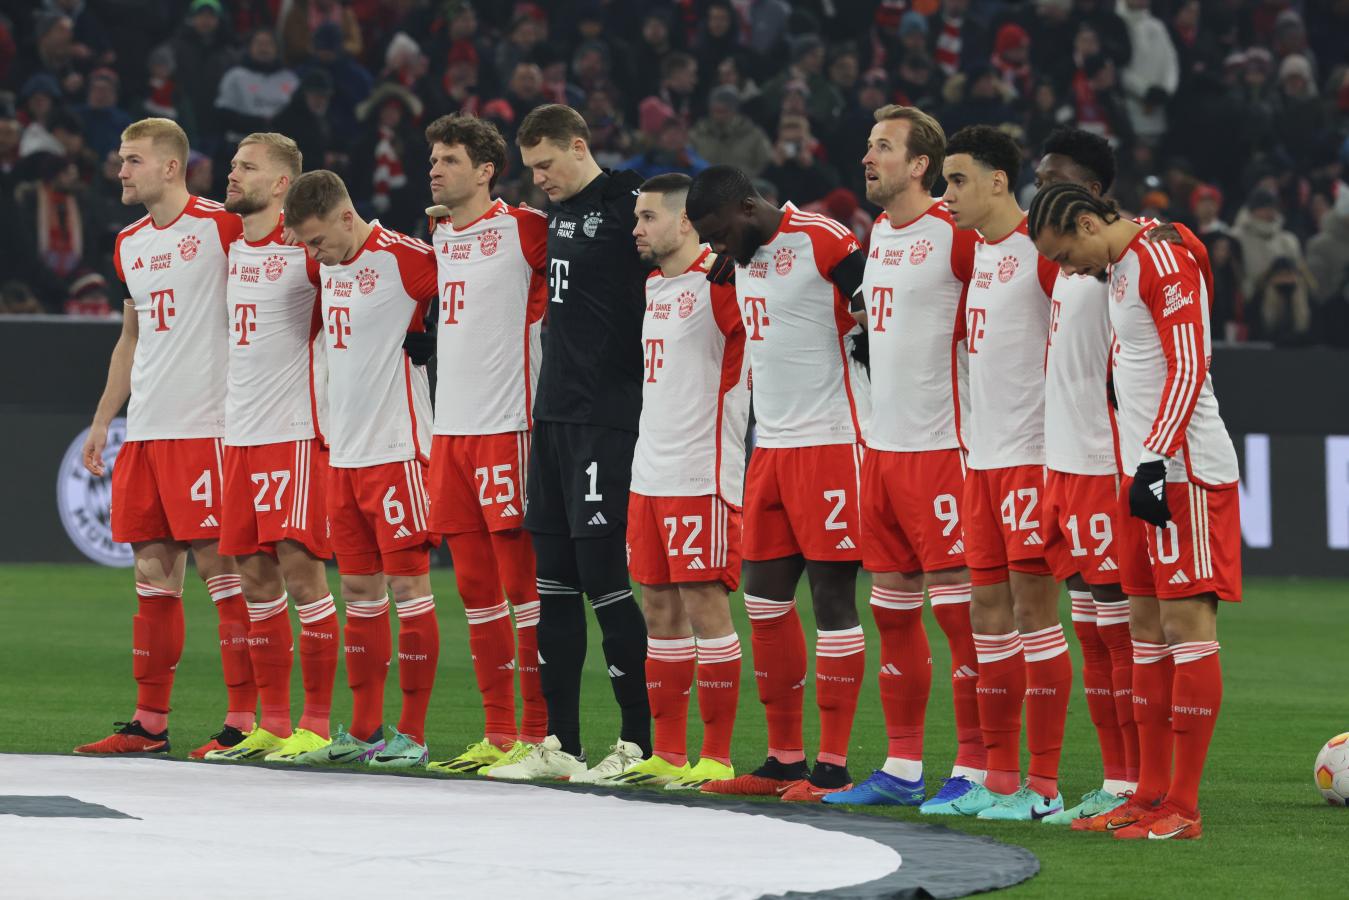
{"points": [[957, 548], [209, 522], [890, 669], [614, 671], [509, 510], [402, 532], [1033, 541], [1107, 565], [137, 264], [845, 544], [697, 564], [1179, 578], [598, 519]]}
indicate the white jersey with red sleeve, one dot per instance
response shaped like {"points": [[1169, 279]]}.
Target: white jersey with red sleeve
{"points": [[916, 279], [695, 399], [1006, 326], [175, 275], [277, 363], [1078, 436], [1159, 309], [493, 293], [807, 388], [379, 403]]}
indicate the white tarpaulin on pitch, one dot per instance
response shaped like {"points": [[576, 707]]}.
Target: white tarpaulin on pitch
{"points": [[222, 831]]}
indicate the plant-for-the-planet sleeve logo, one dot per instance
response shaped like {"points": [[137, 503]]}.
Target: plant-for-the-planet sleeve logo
{"points": [[84, 501]]}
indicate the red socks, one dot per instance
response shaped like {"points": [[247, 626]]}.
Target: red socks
{"points": [[270, 653], [718, 694], [1197, 696], [840, 663], [1001, 691], [319, 646], [1097, 685], [669, 676], [492, 644], [1112, 625], [418, 654], [514, 552], [951, 607], [228, 595], [156, 648], [906, 670], [1049, 678], [369, 648], [1153, 674], [779, 647]]}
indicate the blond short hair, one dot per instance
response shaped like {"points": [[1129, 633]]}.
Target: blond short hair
{"points": [[314, 195], [283, 151], [165, 134], [926, 137]]}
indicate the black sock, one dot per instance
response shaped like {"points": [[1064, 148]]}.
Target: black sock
{"points": [[624, 631], [783, 771], [562, 653], [828, 775]]}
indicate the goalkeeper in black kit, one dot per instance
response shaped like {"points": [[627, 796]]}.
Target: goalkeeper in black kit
{"points": [[585, 430]]}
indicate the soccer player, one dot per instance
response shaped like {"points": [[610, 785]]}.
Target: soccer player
{"points": [[917, 275], [273, 518], [796, 278], [687, 479], [1015, 602], [580, 459], [1081, 485], [170, 361], [492, 259], [376, 286], [1185, 473]]}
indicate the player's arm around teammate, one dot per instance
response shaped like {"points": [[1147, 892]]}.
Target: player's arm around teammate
{"points": [[169, 363]]}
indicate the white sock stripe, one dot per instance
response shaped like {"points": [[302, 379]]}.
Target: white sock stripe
{"points": [[526, 614], [1080, 595], [761, 608], [1112, 613], [149, 590], [367, 609], [670, 649], [944, 594], [669, 643], [1054, 633], [840, 642], [1084, 610], [719, 650], [259, 612], [317, 611], [554, 588], [481, 615], [1193, 651], [899, 600], [1146, 653], [415, 606], [995, 647], [611, 598]]}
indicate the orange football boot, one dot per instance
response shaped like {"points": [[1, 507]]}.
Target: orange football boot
{"points": [[772, 779], [805, 792], [130, 737], [1167, 824]]}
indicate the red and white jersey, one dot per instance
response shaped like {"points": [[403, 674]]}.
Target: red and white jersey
{"points": [[493, 293], [695, 399], [1006, 327], [914, 288], [1078, 436], [278, 372], [1159, 309], [807, 389], [176, 278], [379, 403]]}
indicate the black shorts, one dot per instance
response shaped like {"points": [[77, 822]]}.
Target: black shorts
{"points": [[578, 480]]}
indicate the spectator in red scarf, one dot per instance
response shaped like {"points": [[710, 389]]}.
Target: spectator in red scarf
{"points": [[1011, 59]]}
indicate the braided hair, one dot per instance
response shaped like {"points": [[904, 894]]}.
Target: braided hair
{"points": [[1058, 206]]}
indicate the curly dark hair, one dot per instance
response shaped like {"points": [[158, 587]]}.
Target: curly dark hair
{"points": [[990, 147], [481, 140], [1090, 151]]}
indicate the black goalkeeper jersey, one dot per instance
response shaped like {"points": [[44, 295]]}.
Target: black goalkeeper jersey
{"points": [[591, 372]]}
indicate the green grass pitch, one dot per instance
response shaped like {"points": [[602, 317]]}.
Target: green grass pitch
{"points": [[66, 675]]}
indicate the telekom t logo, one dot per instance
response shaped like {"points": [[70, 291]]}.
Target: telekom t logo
{"points": [[161, 308], [882, 307], [452, 300], [1055, 308], [756, 316], [558, 269], [974, 326], [655, 358], [245, 321], [339, 325]]}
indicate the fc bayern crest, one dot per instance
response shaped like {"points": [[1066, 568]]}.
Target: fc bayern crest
{"points": [[592, 224], [1006, 268], [783, 259], [488, 241], [84, 501], [187, 248], [1120, 285], [686, 301], [273, 266], [919, 251], [365, 280]]}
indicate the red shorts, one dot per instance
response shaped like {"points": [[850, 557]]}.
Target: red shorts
{"points": [[478, 482], [167, 490], [911, 510], [804, 501], [377, 519], [1197, 552], [1079, 526], [1002, 515], [677, 540], [275, 492]]}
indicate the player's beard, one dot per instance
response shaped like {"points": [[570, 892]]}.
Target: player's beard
{"points": [[245, 204], [879, 192]]}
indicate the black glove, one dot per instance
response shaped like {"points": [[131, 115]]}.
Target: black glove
{"points": [[1110, 393], [722, 270], [1147, 494], [420, 346]]}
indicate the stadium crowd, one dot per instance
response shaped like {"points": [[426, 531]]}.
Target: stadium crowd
{"points": [[1231, 116]]}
